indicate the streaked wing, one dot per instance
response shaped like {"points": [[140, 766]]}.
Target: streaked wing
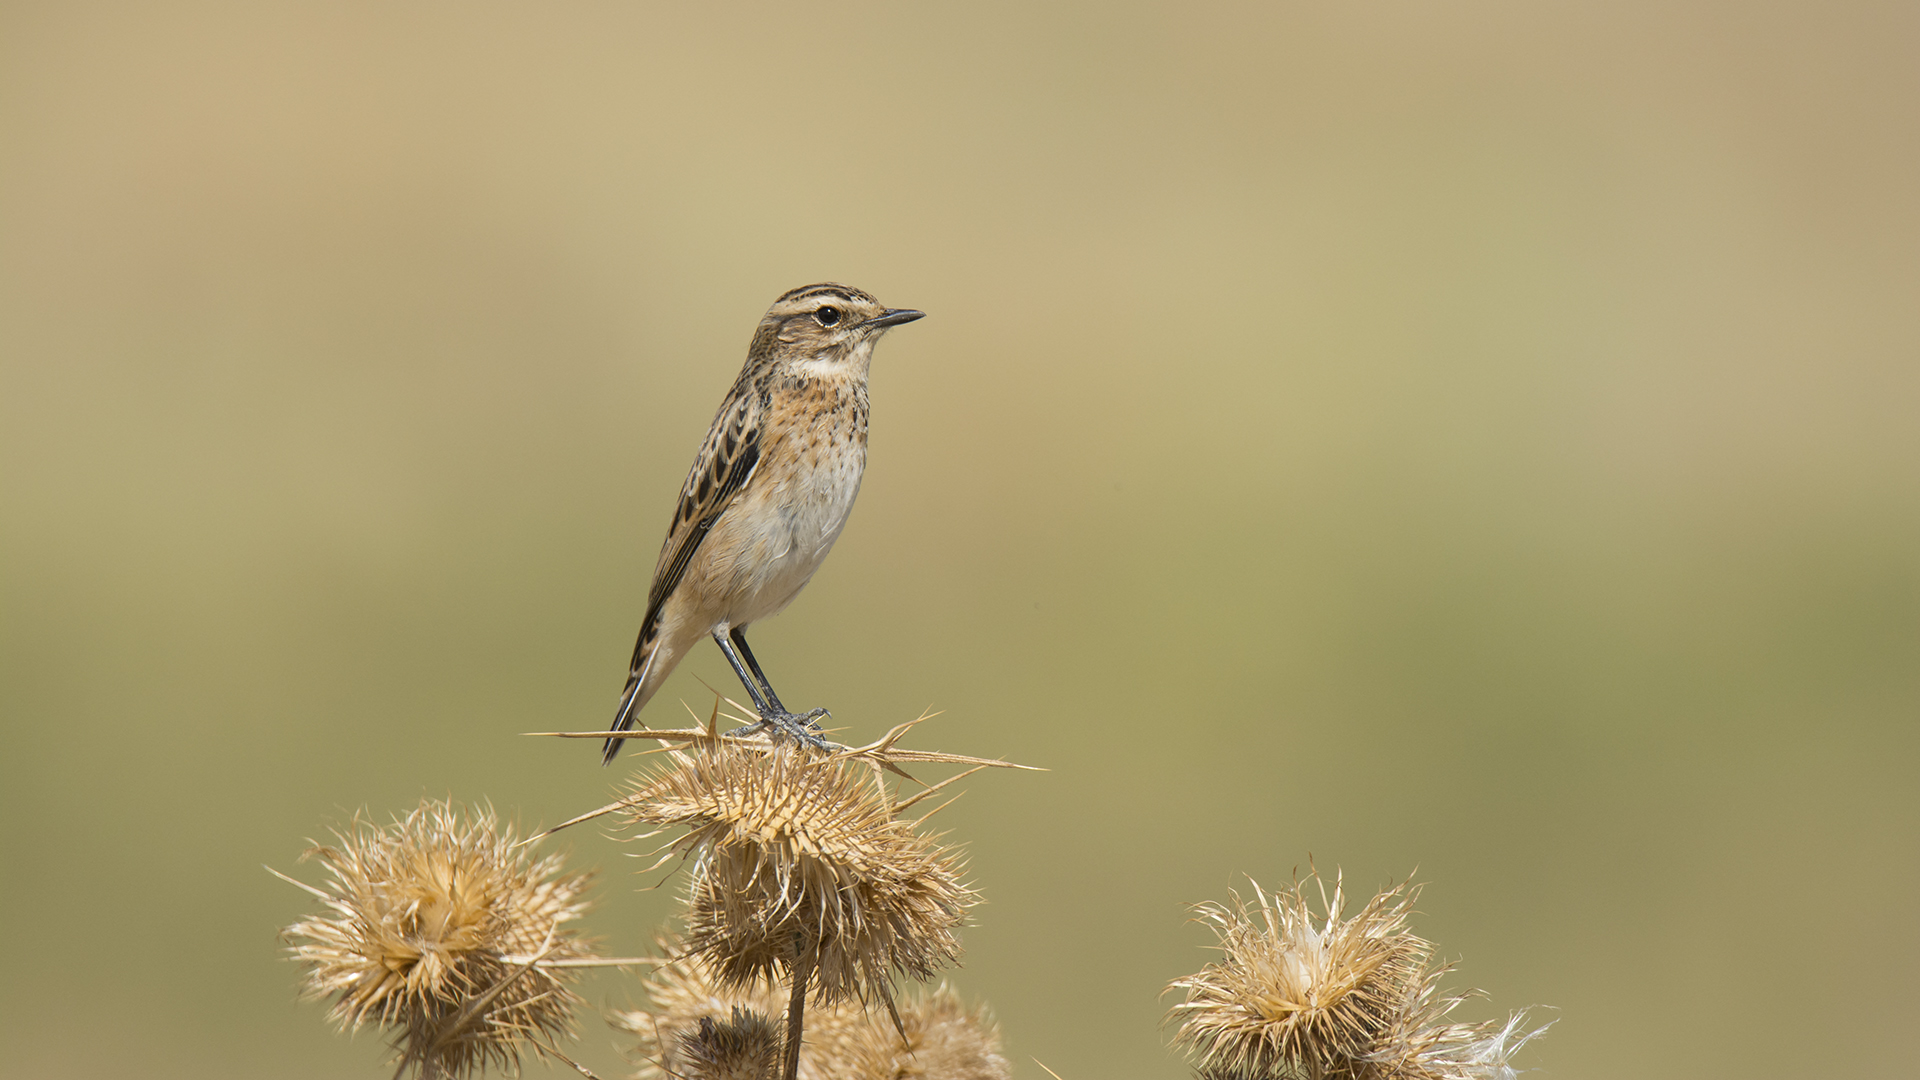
{"points": [[724, 465]]}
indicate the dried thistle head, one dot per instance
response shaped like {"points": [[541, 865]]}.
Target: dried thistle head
{"points": [[802, 862], [939, 1038], [1298, 995], [745, 1046], [943, 1039], [441, 930], [681, 994]]}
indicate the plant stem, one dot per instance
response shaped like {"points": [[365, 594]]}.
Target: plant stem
{"points": [[796, 1013]]}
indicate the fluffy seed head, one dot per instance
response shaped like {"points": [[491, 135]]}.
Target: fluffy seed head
{"points": [[801, 859], [442, 931], [1488, 1050], [1298, 995], [1423, 1046]]}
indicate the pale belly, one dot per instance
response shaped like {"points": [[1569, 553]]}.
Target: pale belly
{"points": [[781, 535]]}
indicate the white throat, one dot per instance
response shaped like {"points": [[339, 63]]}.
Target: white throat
{"points": [[840, 364]]}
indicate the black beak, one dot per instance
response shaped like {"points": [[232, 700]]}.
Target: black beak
{"points": [[895, 316]]}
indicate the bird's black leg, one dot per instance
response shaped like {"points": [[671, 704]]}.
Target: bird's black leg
{"points": [[812, 717], [802, 726], [746, 680], [739, 635]]}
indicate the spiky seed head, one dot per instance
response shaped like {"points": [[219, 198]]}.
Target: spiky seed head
{"points": [[944, 1039], [1303, 995], [440, 929], [801, 858], [1300, 994], [744, 1046], [683, 992]]}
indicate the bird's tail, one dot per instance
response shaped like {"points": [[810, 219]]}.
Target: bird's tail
{"points": [[640, 687]]}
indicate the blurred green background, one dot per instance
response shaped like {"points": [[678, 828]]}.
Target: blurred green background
{"points": [[1473, 438]]}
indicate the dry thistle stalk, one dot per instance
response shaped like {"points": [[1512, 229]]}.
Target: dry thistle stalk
{"points": [[1300, 997], [803, 869], [690, 1008], [441, 930]]}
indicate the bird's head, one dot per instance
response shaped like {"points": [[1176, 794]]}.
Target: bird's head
{"points": [[827, 329]]}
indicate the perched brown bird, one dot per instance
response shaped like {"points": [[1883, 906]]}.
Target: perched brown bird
{"points": [[767, 495]]}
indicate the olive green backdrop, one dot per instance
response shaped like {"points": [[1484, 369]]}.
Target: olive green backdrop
{"points": [[1475, 439]]}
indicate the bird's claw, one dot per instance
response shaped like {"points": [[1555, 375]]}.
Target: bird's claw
{"points": [[800, 727]]}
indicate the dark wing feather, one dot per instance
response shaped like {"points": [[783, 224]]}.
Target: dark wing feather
{"points": [[724, 465]]}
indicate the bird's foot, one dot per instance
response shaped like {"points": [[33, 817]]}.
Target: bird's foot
{"points": [[800, 727]]}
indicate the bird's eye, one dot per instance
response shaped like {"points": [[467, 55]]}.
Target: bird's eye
{"points": [[827, 316]]}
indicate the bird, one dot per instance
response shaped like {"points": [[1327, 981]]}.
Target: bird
{"points": [[766, 498]]}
